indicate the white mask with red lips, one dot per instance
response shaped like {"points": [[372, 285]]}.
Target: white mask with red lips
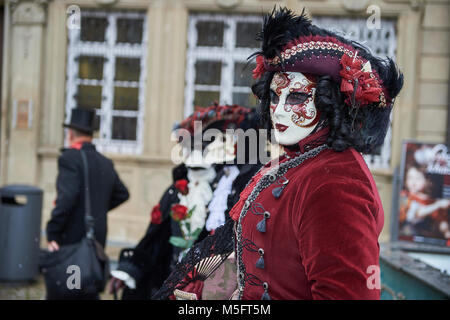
{"points": [[292, 108]]}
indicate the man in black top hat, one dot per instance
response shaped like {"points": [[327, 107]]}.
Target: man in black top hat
{"points": [[67, 224]]}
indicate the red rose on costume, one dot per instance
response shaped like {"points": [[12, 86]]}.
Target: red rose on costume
{"points": [[179, 212], [156, 214], [358, 82], [182, 186]]}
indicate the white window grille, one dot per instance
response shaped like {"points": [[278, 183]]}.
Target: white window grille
{"points": [[217, 69], [106, 72], [382, 42]]}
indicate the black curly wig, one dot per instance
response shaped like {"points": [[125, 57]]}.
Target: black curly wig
{"points": [[363, 128]]}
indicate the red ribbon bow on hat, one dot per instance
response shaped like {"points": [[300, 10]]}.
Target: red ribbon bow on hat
{"points": [[358, 84]]}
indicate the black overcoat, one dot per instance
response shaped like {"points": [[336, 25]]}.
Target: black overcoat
{"points": [[152, 260], [67, 224]]}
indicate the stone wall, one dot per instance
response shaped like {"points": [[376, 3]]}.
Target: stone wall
{"points": [[434, 73]]}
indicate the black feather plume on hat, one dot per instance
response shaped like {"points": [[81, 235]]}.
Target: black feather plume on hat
{"points": [[279, 28]]}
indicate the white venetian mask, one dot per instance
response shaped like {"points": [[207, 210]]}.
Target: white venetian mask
{"points": [[292, 108]]}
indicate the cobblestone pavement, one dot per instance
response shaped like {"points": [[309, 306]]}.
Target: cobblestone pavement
{"points": [[36, 290], [23, 291], [31, 291]]}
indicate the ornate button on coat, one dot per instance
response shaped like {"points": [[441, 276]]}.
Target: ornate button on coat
{"points": [[312, 231]]}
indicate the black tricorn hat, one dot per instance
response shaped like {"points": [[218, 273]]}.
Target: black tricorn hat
{"points": [[82, 120]]}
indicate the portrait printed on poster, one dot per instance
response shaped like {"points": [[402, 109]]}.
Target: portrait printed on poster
{"points": [[424, 202]]}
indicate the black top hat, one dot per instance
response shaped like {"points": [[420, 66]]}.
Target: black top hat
{"points": [[82, 120]]}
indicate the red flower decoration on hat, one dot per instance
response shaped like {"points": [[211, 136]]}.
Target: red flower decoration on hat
{"points": [[179, 212], [182, 186], [260, 69], [358, 82], [156, 214]]}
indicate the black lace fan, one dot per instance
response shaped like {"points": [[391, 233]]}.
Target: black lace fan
{"points": [[204, 257]]}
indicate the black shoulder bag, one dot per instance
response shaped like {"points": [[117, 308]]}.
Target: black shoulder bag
{"points": [[77, 270]]}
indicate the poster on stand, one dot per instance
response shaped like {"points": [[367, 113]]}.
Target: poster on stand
{"points": [[424, 199]]}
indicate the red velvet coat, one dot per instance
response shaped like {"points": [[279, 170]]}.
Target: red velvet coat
{"points": [[322, 233]]}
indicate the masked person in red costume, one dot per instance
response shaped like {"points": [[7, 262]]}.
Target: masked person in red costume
{"points": [[307, 225]]}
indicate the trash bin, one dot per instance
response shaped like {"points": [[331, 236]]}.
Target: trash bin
{"points": [[20, 232]]}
